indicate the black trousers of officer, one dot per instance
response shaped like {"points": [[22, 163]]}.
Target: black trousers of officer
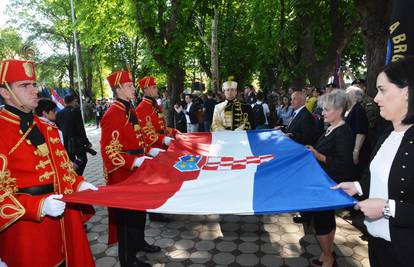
{"points": [[131, 227], [83, 159], [80, 159]]}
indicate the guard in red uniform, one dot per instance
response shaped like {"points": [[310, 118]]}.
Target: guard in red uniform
{"points": [[36, 228], [153, 125], [123, 150], [151, 119]]}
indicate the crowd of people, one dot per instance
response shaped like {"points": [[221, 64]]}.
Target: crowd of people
{"points": [[341, 127]]}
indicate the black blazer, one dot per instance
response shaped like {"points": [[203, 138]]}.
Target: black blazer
{"points": [[358, 121], [191, 113], [337, 147], [400, 189], [69, 121], [303, 128]]}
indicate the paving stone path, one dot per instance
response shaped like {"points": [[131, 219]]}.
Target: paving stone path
{"points": [[229, 240]]}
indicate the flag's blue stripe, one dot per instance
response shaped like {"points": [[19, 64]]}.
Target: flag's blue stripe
{"points": [[293, 181], [389, 52]]}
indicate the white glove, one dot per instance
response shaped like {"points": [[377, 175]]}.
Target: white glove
{"points": [[138, 161], [85, 186], [2, 263], [167, 140], [155, 151], [52, 206]]}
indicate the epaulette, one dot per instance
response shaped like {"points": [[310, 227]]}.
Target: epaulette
{"points": [[9, 117], [46, 122], [119, 105]]}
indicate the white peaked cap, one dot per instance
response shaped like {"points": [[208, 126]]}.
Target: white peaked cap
{"points": [[229, 84]]}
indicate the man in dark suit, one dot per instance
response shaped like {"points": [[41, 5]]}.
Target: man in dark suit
{"points": [[303, 130], [302, 127], [69, 120]]}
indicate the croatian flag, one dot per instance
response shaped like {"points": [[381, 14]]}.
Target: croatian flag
{"points": [[60, 104], [253, 172]]}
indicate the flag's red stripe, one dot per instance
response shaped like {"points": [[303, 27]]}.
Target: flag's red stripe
{"points": [[154, 176]]}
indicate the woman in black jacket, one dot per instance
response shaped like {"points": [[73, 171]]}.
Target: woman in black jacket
{"points": [[334, 153], [356, 118], [389, 209]]}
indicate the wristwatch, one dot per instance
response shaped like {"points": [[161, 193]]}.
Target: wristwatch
{"points": [[386, 211]]}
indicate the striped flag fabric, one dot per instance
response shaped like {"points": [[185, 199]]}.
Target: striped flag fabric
{"points": [[60, 103], [240, 172]]}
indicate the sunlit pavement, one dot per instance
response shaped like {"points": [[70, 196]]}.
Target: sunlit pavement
{"points": [[269, 240]]}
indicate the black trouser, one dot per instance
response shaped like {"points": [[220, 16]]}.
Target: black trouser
{"points": [[324, 221], [98, 120], [80, 159], [382, 253], [131, 227]]}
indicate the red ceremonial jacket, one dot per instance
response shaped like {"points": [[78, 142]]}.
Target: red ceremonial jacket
{"points": [[153, 123], [121, 143], [26, 238]]}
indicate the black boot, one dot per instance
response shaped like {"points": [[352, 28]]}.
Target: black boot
{"points": [[138, 263], [150, 248]]}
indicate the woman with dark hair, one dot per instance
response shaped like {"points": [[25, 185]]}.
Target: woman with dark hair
{"points": [[389, 189], [285, 112], [180, 122], [46, 109]]}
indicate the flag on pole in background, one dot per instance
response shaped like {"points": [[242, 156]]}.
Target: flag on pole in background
{"points": [[253, 172], [60, 103], [53, 93], [401, 41]]}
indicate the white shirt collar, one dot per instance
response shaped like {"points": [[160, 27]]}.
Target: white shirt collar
{"points": [[296, 111]]}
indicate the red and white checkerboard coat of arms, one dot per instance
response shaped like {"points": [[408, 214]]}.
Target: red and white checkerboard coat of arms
{"points": [[217, 163], [230, 163]]}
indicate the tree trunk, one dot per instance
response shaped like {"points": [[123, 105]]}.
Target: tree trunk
{"points": [[175, 77], [99, 72], [299, 82], [89, 74], [214, 52], [375, 33], [319, 71], [175, 81], [162, 37], [134, 60], [86, 71], [269, 80]]}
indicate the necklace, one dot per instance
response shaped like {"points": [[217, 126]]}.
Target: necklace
{"points": [[331, 128]]}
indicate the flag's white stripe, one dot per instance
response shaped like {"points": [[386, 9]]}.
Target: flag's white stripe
{"points": [[226, 191], [58, 104], [230, 145]]}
